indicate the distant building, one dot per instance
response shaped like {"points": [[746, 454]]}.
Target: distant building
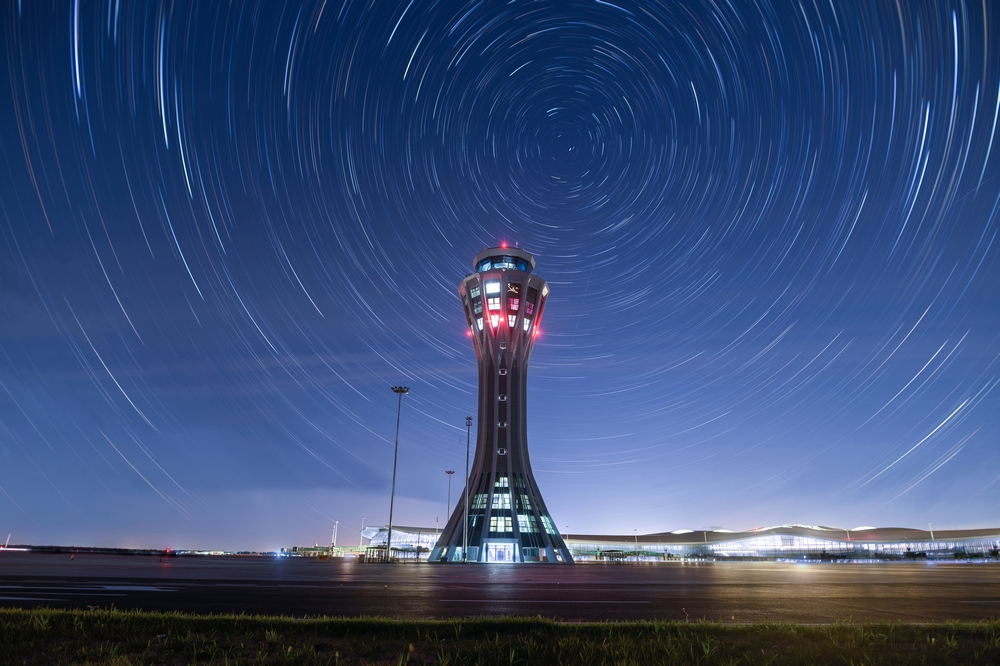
{"points": [[506, 519], [792, 542], [783, 542]]}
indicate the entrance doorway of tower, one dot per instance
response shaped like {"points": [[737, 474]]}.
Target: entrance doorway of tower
{"points": [[501, 551]]}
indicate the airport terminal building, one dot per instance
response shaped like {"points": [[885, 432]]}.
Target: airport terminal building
{"points": [[782, 542]]}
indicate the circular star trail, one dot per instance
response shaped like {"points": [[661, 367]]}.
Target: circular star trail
{"points": [[227, 229]]}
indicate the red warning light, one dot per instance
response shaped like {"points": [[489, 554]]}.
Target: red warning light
{"points": [[504, 245]]}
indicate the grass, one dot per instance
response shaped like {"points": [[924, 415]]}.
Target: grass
{"points": [[44, 636]]}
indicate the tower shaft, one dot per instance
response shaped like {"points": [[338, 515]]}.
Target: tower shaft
{"points": [[507, 518]]}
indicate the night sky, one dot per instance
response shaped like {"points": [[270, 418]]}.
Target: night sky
{"points": [[227, 229]]}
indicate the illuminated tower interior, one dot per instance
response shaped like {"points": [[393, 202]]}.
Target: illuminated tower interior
{"points": [[507, 519]]}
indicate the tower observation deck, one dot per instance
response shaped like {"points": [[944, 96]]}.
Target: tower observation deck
{"points": [[507, 519]]}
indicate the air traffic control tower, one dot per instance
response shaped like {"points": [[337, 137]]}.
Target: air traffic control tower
{"points": [[506, 519]]}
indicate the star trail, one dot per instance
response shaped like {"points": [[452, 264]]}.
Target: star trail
{"points": [[226, 229]]}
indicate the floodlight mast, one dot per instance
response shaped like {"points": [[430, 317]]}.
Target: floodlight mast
{"points": [[400, 391], [465, 522], [504, 518]]}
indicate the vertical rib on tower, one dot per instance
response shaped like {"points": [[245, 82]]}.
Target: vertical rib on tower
{"points": [[508, 521]]}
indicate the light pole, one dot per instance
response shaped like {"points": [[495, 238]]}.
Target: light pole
{"points": [[447, 508], [465, 522], [361, 538], [333, 545], [931, 530], [400, 391]]}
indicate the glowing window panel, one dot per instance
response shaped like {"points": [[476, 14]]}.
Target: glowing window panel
{"points": [[492, 288], [513, 304], [479, 502], [479, 323], [527, 324], [549, 525], [494, 320], [529, 308], [525, 503], [493, 302], [474, 292], [527, 523], [501, 501], [477, 307], [501, 524], [502, 482], [512, 320]]}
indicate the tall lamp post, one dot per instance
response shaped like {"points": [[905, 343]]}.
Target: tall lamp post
{"points": [[400, 391], [447, 508], [361, 539], [465, 526]]}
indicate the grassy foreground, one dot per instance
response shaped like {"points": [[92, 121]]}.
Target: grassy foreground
{"points": [[45, 636]]}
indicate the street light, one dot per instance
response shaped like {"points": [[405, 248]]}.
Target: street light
{"points": [[465, 523], [400, 391], [447, 508], [361, 538]]}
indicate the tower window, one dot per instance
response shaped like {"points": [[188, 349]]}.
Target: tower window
{"points": [[526, 523], [502, 397], [479, 323], [503, 371], [512, 320], [494, 320], [492, 288], [513, 303], [501, 482], [493, 302], [474, 292], [503, 345], [526, 322], [501, 452], [477, 306], [501, 524], [529, 308], [501, 501], [501, 424], [549, 525]]}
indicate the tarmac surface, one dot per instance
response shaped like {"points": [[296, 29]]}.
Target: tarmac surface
{"points": [[722, 591]]}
